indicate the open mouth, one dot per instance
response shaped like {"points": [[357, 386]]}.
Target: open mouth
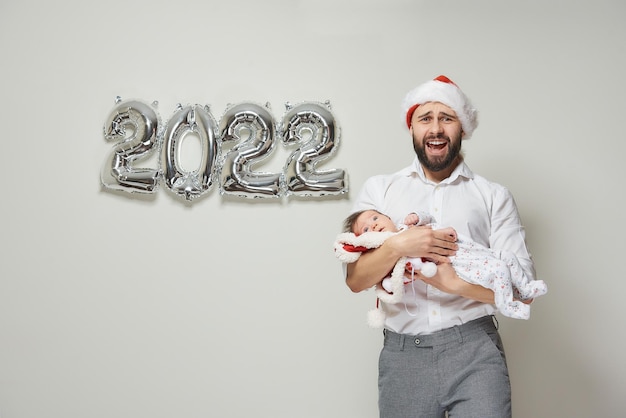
{"points": [[436, 145]]}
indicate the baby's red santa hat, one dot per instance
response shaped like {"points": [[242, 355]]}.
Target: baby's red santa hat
{"points": [[442, 90]]}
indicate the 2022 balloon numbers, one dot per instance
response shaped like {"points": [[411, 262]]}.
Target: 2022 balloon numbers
{"points": [[246, 134]]}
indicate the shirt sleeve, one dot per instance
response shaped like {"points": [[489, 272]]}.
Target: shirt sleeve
{"points": [[507, 232], [425, 218], [369, 195]]}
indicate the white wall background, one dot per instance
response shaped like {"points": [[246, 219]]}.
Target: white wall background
{"points": [[122, 306]]}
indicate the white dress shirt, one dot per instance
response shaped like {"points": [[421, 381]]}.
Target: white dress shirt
{"points": [[482, 210]]}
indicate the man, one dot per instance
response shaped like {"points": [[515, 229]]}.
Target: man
{"points": [[442, 351]]}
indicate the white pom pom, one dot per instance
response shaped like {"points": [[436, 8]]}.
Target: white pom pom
{"points": [[417, 263], [429, 269], [376, 318]]}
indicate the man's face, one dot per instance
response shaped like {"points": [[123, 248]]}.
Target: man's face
{"points": [[371, 220], [437, 135]]}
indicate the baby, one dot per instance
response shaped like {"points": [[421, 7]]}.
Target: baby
{"points": [[499, 271], [374, 221]]}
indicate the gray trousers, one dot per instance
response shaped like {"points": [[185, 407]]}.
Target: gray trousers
{"points": [[460, 371]]}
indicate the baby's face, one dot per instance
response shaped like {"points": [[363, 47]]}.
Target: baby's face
{"points": [[370, 220]]}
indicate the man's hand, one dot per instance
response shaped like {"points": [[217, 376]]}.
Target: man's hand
{"points": [[423, 241]]}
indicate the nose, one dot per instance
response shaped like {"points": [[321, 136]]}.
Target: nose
{"points": [[435, 126]]}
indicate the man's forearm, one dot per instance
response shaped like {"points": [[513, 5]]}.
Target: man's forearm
{"points": [[477, 292], [371, 268]]}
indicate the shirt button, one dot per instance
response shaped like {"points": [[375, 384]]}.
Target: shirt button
{"points": [[417, 341]]}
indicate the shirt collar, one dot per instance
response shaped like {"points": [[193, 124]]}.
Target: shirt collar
{"points": [[461, 170]]}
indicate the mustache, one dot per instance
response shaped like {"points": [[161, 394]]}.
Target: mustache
{"points": [[437, 136]]}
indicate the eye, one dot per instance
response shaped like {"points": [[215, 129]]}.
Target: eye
{"points": [[375, 218], [365, 229]]}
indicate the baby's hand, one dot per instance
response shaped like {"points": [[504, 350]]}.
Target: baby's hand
{"points": [[411, 219], [451, 232]]}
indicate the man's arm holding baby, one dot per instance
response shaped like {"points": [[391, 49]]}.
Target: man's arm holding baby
{"points": [[374, 265], [448, 281]]}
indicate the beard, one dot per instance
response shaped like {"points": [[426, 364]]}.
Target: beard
{"points": [[436, 164]]}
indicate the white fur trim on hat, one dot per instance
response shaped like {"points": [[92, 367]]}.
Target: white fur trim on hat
{"points": [[442, 90]]}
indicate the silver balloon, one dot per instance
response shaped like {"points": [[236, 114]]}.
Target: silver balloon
{"points": [[237, 177], [118, 172], [312, 126], [189, 119]]}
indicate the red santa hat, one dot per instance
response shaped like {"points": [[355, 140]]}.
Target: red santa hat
{"points": [[442, 90]]}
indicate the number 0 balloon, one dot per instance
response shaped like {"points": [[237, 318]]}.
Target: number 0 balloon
{"points": [[189, 119]]}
